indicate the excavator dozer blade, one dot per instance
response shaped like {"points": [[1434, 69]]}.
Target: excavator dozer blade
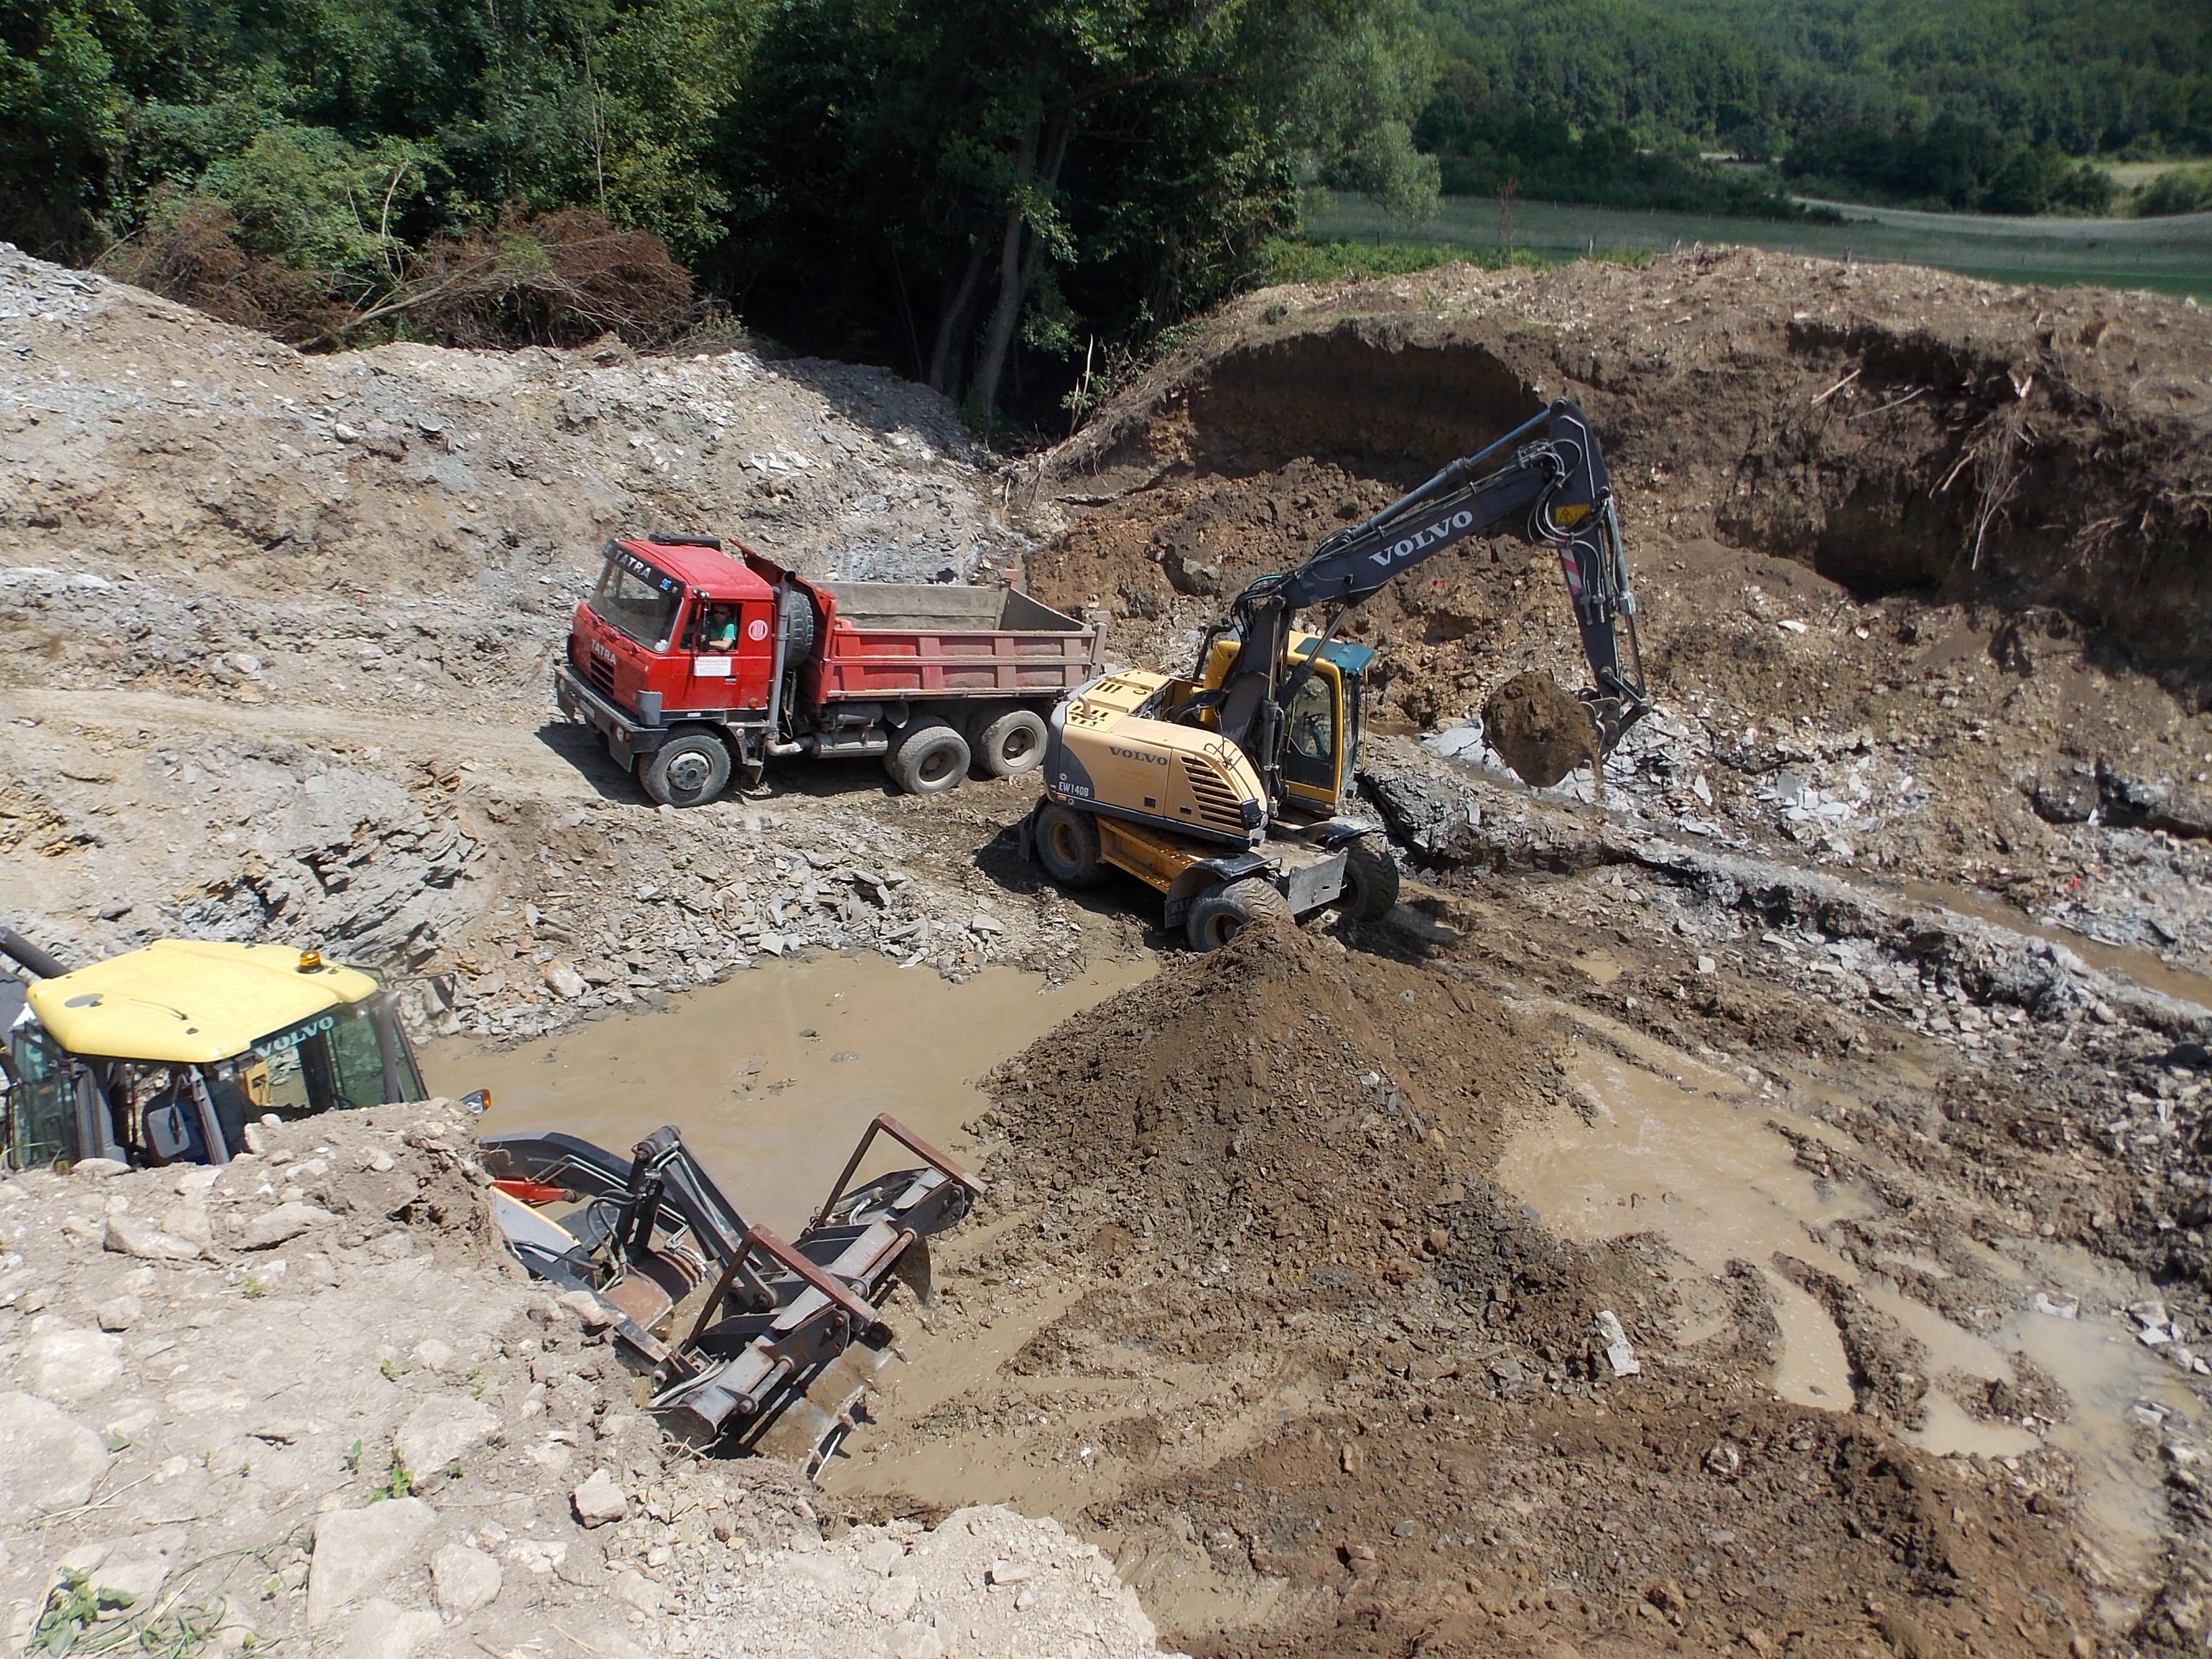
{"points": [[1541, 732]]}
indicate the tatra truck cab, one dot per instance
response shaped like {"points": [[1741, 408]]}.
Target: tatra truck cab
{"points": [[693, 663]]}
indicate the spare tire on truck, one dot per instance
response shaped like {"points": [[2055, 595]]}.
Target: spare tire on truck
{"points": [[689, 769], [1009, 742], [927, 757]]}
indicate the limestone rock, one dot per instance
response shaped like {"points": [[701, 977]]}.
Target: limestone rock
{"points": [[67, 1364], [283, 1224], [442, 1430], [600, 1500], [383, 1631], [355, 1549], [465, 1579], [132, 1234], [48, 1460]]}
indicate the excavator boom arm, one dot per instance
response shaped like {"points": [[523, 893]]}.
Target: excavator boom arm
{"points": [[1552, 492]]}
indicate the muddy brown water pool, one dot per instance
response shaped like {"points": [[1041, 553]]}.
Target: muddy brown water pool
{"points": [[773, 1074]]}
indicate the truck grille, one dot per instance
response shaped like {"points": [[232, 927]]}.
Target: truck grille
{"points": [[602, 674], [1219, 805]]}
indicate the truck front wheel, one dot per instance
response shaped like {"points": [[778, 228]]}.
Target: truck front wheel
{"points": [[928, 758], [1228, 911], [689, 769], [1068, 847], [1011, 744]]}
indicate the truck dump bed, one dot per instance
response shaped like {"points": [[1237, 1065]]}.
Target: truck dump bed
{"points": [[924, 640]]}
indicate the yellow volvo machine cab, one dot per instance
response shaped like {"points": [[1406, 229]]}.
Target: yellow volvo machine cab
{"points": [[1224, 790], [162, 1055]]}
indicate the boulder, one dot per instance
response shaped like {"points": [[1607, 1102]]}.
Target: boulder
{"points": [[442, 1430], [283, 1225], [600, 1500]]}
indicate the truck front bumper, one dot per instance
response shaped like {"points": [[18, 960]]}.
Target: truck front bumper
{"points": [[626, 739]]}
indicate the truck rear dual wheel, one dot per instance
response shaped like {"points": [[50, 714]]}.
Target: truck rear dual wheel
{"points": [[927, 757], [1067, 846], [1227, 911], [1010, 743], [689, 769]]}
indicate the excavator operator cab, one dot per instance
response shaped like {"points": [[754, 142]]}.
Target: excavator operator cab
{"points": [[1323, 693], [161, 1055]]}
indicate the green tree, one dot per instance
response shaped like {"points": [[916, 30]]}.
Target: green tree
{"points": [[939, 182], [62, 118]]}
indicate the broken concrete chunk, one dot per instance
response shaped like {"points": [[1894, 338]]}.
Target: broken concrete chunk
{"points": [[130, 1235], [600, 1500], [48, 1460], [355, 1549], [283, 1225], [119, 1314], [565, 982], [93, 1167], [465, 1579]]}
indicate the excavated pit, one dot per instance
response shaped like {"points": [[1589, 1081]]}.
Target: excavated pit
{"points": [[1288, 1291]]}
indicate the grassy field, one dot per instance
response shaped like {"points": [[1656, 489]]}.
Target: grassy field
{"points": [[2172, 256]]}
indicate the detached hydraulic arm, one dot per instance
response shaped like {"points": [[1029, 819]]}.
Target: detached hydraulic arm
{"points": [[1553, 491], [648, 1234]]}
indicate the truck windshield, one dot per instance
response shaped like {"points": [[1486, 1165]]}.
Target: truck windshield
{"points": [[639, 600]]}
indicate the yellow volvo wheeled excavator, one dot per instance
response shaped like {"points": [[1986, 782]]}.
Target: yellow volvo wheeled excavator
{"points": [[1224, 789]]}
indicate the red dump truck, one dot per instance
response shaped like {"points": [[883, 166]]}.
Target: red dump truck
{"points": [[693, 662]]}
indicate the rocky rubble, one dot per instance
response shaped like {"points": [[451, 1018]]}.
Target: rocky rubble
{"points": [[279, 632], [304, 1398]]}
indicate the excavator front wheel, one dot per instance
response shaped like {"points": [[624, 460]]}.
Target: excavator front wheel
{"points": [[1227, 911], [1370, 880], [1067, 846]]}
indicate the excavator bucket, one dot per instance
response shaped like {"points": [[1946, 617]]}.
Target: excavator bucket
{"points": [[753, 1344], [1541, 732]]}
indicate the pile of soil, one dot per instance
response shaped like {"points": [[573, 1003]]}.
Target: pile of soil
{"points": [[1277, 1155]]}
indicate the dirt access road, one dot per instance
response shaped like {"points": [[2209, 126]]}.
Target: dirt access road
{"points": [[1754, 1203]]}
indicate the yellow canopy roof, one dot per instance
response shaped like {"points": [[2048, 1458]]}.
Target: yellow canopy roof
{"points": [[187, 1002]]}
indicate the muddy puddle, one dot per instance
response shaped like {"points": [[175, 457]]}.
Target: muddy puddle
{"points": [[1693, 1155], [2144, 967], [774, 1074]]}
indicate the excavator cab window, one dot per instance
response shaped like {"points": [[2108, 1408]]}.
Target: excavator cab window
{"points": [[1313, 732], [42, 1116]]}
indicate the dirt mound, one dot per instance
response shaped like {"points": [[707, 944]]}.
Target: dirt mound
{"points": [[1542, 732], [1266, 1168], [1257, 1104], [1896, 429]]}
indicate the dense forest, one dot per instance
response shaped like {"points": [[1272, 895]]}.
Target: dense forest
{"points": [[1977, 104], [1007, 199], [957, 188]]}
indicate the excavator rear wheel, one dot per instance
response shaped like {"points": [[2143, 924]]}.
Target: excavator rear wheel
{"points": [[1371, 881], [1225, 912], [1068, 847]]}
